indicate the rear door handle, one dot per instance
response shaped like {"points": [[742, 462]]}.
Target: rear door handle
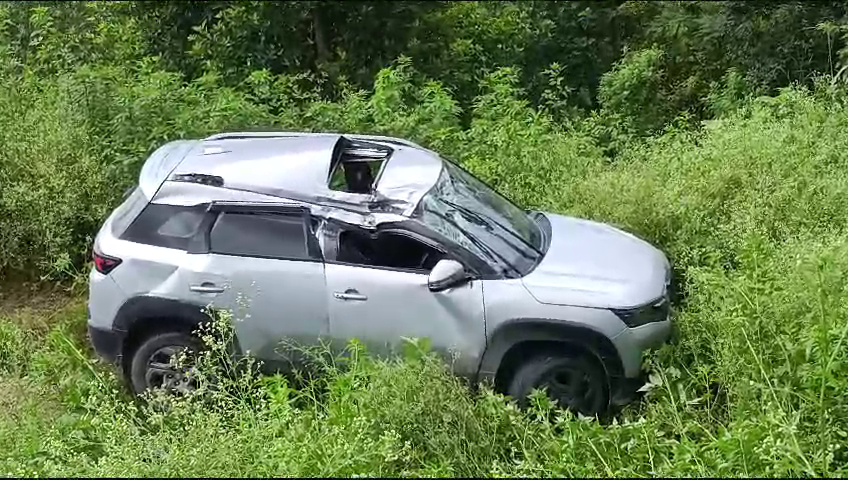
{"points": [[350, 294], [206, 287]]}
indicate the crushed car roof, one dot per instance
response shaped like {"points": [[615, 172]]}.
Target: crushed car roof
{"points": [[266, 166]]}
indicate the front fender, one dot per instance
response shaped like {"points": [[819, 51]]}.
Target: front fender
{"points": [[521, 330]]}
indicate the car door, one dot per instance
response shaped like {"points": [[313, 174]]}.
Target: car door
{"points": [[380, 306], [263, 264]]}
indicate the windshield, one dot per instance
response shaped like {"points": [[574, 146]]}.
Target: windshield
{"points": [[465, 210]]}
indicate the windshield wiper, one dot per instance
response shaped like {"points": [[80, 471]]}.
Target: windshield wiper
{"points": [[488, 221]]}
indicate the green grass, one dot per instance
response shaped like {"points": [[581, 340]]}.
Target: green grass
{"points": [[752, 210]]}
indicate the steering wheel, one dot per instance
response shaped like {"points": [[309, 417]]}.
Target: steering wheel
{"points": [[425, 260]]}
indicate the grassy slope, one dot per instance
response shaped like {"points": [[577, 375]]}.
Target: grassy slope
{"points": [[753, 213]]}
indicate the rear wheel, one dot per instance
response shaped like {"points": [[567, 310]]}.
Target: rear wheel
{"points": [[152, 364], [576, 382]]}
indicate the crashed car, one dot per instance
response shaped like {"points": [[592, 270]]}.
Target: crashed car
{"points": [[315, 237]]}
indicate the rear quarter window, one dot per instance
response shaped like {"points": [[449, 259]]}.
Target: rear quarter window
{"points": [[169, 226]]}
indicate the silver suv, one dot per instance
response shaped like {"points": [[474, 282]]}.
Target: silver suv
{"points": [[335, 237]]}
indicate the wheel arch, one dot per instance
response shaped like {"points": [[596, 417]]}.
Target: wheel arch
{"points": [[513, 340], [143, 316]]}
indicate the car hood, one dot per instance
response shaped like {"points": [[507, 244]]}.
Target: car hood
{"points": [[592, 264]]}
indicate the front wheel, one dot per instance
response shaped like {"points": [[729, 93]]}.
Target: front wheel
{"points": [[576, 382]]}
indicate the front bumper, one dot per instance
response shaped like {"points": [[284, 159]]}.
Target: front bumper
{"points": [[631, 342], [107, 343]]}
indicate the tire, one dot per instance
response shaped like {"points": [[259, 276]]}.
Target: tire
{"points": [[154, 352], [576, 382]]}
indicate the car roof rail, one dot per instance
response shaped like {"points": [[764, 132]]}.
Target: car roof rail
{"points": [[380, 138], [246, 135]]}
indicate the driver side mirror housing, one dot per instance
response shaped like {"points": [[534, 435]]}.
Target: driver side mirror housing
{"points": [[447, 273]]}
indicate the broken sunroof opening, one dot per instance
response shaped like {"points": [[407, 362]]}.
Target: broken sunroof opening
{"points": [[357, 165]]}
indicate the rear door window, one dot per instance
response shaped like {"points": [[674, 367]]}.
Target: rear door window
{"points": [[264, 235]]}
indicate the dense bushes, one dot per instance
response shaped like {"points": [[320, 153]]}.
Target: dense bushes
{"points": [[770, 45], [72, 144]]}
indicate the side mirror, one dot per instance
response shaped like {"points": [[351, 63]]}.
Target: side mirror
{"points": [[446, 274]]}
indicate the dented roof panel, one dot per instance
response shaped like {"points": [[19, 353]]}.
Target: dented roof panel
{"points": [[297, 167], [408, 176], [290, 163]]}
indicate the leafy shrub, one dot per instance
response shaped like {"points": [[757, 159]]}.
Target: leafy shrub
{"points": [[72, 144], [728, 95], [54, 184], [632, 90]]}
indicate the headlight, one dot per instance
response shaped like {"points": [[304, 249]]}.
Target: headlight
{"points": [[656, 311]]}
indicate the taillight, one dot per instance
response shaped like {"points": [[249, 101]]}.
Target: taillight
{"points": [[104, 263]]}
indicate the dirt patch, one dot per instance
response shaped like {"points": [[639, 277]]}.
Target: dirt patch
{"points": [[38, 307], [38, 297]]}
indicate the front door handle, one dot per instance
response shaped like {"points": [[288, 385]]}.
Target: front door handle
{"points": [[350, 294], [206, 287]]}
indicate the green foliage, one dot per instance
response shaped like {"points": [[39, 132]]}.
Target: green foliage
{"points": [[14, 348], [55, 185], [455, 43], [73, 144], [632, 91], [728, 95], [59, 36], [228, 44]]}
